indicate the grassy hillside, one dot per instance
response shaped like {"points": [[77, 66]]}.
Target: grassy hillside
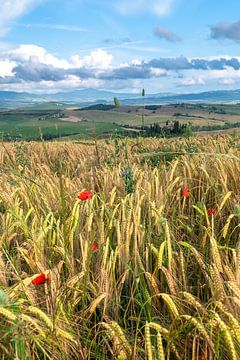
{"points": [[56, 120], [148, 268], [29, 123]]}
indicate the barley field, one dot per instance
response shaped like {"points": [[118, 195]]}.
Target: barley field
{"points": [[120, 249]]}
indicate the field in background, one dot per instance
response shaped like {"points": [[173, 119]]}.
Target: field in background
{"points": [[55, 120], [140, 271]]}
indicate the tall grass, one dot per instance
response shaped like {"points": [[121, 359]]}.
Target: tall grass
{"points": [[164, 282]]}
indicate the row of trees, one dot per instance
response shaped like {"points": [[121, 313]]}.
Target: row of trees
{"points": [[170, 129]]}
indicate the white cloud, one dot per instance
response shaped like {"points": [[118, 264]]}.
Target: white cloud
{"points": [[227, 76], [201, 81], [11, 10], [158, 72], [226, 73], [198, 80], [6, 68], [188, 82], [52, 87], [227, 81], [32, 52], [136, 62], [98, 59], [21, 69], [158, 7], [73, 82], [33, 68]]}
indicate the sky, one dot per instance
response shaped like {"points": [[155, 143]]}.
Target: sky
{"points": [[164, 46]]}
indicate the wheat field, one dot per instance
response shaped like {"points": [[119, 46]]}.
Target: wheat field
{"points": [[147, 268]]}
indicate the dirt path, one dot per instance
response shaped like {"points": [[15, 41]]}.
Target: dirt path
{"points": [[73, 119]]}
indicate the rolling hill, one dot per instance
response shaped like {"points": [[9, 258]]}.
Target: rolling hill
{"points": [[86, 97]]}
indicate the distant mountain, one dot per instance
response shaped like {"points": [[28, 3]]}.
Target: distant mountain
{"points": [[11, 99], [79, 97], [218, 96], [87, 97], [207, 96], [90, 95]]}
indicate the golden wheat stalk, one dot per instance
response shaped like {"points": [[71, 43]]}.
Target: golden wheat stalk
{"points": [[148, 342], [227, 337], [171, 305]]}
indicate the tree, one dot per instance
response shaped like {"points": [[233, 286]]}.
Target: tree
{"points": [[116, 103], [143, 96], [176, 127]]}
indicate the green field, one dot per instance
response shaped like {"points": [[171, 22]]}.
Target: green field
{"points": [[30, 124], [56, 120]]}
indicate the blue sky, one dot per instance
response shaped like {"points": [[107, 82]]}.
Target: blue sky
{"points": [[161, 45]]}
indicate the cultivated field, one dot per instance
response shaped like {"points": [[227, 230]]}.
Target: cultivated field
{"points": [[147, 266], [54, 121]]}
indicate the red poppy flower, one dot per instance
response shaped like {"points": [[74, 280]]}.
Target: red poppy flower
{"points": [[222, 136], [40, 279], [85, 195], [212, 212], [95, 246], [186, 192]]}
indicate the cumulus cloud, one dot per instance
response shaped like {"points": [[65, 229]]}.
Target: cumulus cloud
{"points": [[6, 68], [178, 63], [99, 59], [51, 87], [226, 30], [31, 64], [35, 71], [25, 53], [11, 10], [224, 74], [183, 63], [193, 81], [142, 71], [158, 7], [166, 34], [227, 77]]}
